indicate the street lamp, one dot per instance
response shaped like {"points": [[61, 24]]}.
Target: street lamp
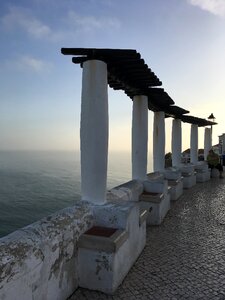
{"points": [[211, 118]]}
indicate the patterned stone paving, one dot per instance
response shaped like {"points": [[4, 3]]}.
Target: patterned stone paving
{"points": [[184, 258]]}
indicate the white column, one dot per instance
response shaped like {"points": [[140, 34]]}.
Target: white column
{"points": [[94, 132], [176, 143], [159, 141], [139, 137], [194, 144], [207, 142]]}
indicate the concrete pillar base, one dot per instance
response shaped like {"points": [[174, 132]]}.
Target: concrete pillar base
{"points": [[129, 191], [156, 199], [189, 174], [202, 176], [177, 187], [175, 182], [158, 206], [202, 171]]}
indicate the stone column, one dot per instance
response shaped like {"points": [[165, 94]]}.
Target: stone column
{"points": [[139, 137], [176, 143], [159, 141], [94, 131], [194, 144], [207, 142]]}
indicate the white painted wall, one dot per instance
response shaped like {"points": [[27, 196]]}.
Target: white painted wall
{"points": [[139, 137], [159, 141], [194, 144], [176, 143], [39, 262], [104, 271], [94, 131]]}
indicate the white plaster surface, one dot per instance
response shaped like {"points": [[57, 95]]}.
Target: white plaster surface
{"points": [[187, 168], [129, 191], [175, 181], [139, 137], [94, 132], [158, 209], [194, 144], [39, 262], [159, 141], [201, 166], [203, 176], [176, 142], [189, 181], [155, 176], [172, 173], [156, 187], [207, 142], [189, 175], [176, 189], [113, 214], [104, 271], [202, 171]]}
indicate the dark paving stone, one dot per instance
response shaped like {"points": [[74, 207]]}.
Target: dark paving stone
{"points": [[184, 257]]}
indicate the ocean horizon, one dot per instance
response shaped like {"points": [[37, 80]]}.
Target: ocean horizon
{"points": [[35, 184]]}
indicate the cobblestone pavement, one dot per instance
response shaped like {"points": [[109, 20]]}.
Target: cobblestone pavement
{"points": [[184, 258]]}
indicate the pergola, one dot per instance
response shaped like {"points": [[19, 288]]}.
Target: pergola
{"points": [[127, 71]]}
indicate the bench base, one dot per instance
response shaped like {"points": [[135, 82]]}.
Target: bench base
{"points": [[176, 188], [158, 208], [189, 181], [105, 260], [203, 176]]}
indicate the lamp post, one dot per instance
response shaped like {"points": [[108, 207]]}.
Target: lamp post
{"points": [[211, 118]]}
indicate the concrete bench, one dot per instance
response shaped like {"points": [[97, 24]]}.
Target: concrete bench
{"points": [[107, 251], [151, 197], [155, 197], [189, 175], [103, 239], [202, 171], [175, 182]]}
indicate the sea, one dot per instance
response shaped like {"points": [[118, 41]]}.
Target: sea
{"points": [[34, 184]]}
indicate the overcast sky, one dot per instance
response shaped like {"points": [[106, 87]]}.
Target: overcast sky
{"points": [[182, 41]]}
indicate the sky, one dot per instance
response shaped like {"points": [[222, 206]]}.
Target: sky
{"points": [[182, 41]]}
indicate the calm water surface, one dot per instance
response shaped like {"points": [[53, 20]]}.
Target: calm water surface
{"points": [[35, 184]]}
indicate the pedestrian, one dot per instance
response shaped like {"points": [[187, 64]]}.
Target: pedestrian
{"points": [[214, 162]]}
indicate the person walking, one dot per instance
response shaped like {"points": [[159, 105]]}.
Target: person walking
{"points": [[213, 160]]}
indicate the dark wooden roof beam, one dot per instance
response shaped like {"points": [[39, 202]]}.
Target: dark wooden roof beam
{"points": [[115, 63], [101, 52], [79, 59], [126, 69]]}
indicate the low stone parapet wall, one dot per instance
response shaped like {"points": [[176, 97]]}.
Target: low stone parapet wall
{"points": [[128, 191], [40, 261]]}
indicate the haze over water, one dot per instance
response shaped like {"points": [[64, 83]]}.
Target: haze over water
{"points": [[35, 184]]}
